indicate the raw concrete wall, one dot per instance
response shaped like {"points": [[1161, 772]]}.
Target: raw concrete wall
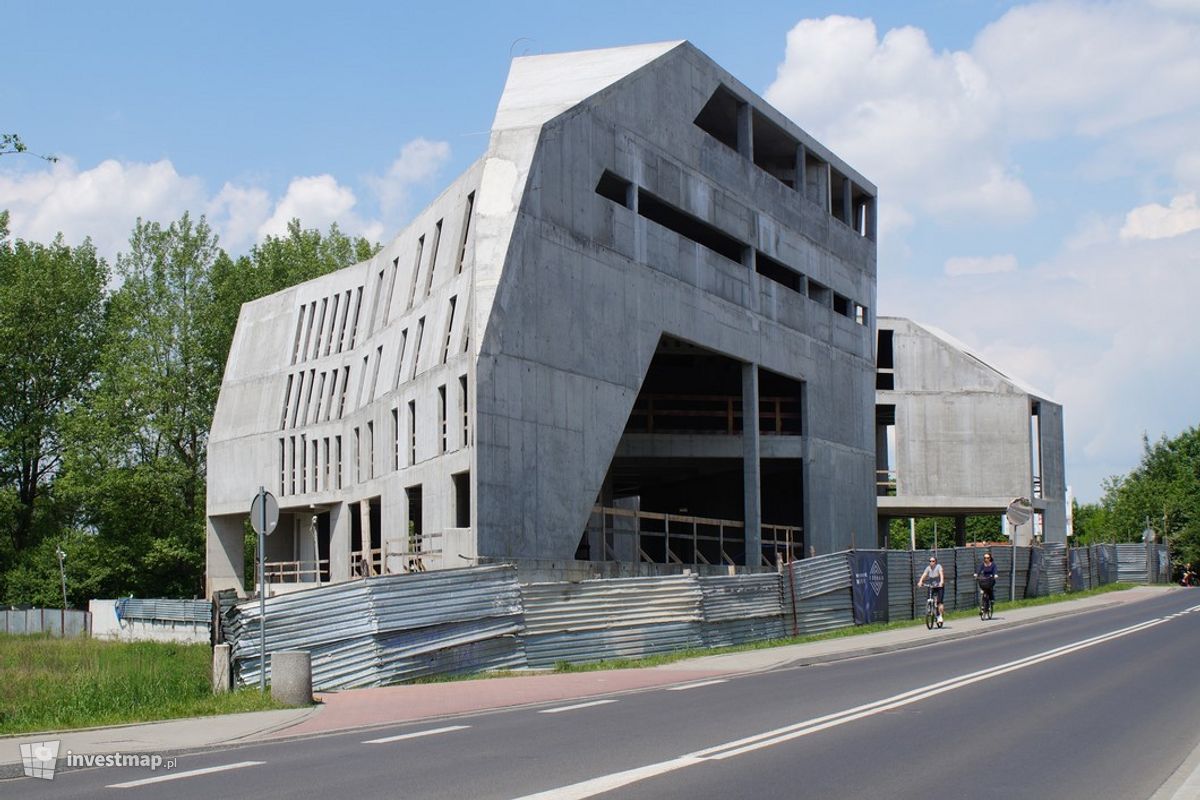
{"points": [[106, 625]]}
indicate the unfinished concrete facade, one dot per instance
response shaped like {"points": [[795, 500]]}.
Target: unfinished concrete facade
{"points": [[552, 363], [957, 437]]}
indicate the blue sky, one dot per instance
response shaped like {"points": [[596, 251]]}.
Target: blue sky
{"points": [[1037, 162]]}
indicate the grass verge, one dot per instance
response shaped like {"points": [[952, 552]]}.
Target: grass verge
{"points": [[857, 630], [56, 684]]}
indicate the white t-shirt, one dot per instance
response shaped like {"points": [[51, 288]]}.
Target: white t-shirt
{"points": [[933, 576]]}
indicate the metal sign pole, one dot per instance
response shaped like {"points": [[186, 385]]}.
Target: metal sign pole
{"points": [[262, 593]]}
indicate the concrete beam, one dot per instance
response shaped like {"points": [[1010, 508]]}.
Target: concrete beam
{"points": [[751, 473]]}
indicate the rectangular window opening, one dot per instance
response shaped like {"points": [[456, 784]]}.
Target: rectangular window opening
{"points": [[282, 466], [357, 311], [375, 373], [342, 396], [417, 347], [412, 432], [312, 313], [615, 188], [442, 422], [416, 273], [820, 293], [885, 354], [466, 229], [449, 330], [387, 304], [400, 358], [299, 331], [463, 404], [841, 305], [342, 322], [684, 224], [370, 449], [775, 150], [333, 313], [287, 401], [337, 444], [316, 353], [779, 272], [395, 438], [719, 117], [462, 499], [437, 240], [358, 469]]}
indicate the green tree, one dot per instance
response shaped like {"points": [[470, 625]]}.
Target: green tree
{"points": [[979, 529], [51, 334]]}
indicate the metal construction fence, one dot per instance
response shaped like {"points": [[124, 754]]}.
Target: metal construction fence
{"points": [[54, 622], [387, 629]]}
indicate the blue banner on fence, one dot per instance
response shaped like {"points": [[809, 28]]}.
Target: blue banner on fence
{"points": [[869, 586]]}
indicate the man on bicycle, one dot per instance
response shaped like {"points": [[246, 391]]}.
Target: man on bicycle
{"points": [[987, 579], [937, 582]]}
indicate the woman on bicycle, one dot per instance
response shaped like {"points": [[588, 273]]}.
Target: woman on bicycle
{"points": [[987, 579], [937, 580]]}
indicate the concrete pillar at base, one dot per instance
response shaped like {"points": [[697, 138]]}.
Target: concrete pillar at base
{"points": [[224, 556], [751, 474], [222, 677], [291, 678], [339, 542]]}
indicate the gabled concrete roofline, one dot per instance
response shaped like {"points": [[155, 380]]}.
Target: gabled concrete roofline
{"points": [[541, 87], [967, 350]]}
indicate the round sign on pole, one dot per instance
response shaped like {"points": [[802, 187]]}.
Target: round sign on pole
{"points": [[256, 513], [1019, 512]]}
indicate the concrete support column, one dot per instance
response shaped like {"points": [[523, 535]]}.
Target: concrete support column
{"points": [[751, 473], [225, 558], [339, 542], [801, 173], [872, 224], [847, 202], [745, 132], [364, 515]]}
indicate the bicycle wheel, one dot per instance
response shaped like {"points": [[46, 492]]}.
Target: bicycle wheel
{"points": [[930, 617], [982, 607], [990, 604]]}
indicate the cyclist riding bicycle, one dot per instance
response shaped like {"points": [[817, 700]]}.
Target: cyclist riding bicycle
{"points": [[987, 579], [937, 583]]}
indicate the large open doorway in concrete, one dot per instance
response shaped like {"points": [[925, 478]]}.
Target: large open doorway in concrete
{"points": [[676, 490]]}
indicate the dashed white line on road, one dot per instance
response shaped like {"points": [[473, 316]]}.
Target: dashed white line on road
{"points": [[577, 705], [416, 734], [191, 773], [687, 686]]}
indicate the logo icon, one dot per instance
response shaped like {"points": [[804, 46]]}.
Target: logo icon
{"points": [[39, 759], [876, 578]]}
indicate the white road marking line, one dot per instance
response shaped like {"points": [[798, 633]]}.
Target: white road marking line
{"points": [[607, 783], [416, 734], [189, 774], [577, 705], [687, 686]]}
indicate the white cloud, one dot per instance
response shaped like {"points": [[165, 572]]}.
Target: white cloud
{"points": [[1155, 221], [980, 265], [1107, 331], [419, 162], [104, 201], [924, 126]]}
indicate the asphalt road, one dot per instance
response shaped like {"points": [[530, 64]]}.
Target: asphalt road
{"points": [[1104, 704]]}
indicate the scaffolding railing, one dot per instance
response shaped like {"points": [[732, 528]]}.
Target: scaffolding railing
{"points": [[713, 414], [685, 539], [296, 571], [885, 482]]}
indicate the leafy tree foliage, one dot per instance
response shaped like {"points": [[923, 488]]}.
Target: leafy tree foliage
{"points": [[110, 396], [1162, 493], [51, 331]]}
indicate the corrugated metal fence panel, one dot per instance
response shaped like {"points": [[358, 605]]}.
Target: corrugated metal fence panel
{"points": [[732, 597], [1093, 567], [382, 630], [1002, 556], [900, 588], [1082, 563], [1054, 567], [165, 610], [1106, 555], [616, 618], [816, 594], [51, 621], [1164, 565], [1022, 568], [820, 575], [1131, 563], [966, 564], [741, 608]]}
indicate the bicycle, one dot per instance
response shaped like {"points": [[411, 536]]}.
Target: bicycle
{"points": [[931, 608], [986, 598]]}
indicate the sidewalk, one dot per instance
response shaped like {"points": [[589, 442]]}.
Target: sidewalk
{"points": [[356, 708]]}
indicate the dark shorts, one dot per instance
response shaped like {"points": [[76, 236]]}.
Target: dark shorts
{"points": [[939, 592]]}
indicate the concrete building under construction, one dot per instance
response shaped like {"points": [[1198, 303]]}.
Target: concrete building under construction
{"points": [[957, 437], [636, 335]]}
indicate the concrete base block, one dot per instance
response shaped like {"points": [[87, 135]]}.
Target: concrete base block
{"points": [[222, 676], [291, 677]]}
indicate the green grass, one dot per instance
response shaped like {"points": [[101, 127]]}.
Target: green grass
{"points": [[857, 630], [55, 684]]}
